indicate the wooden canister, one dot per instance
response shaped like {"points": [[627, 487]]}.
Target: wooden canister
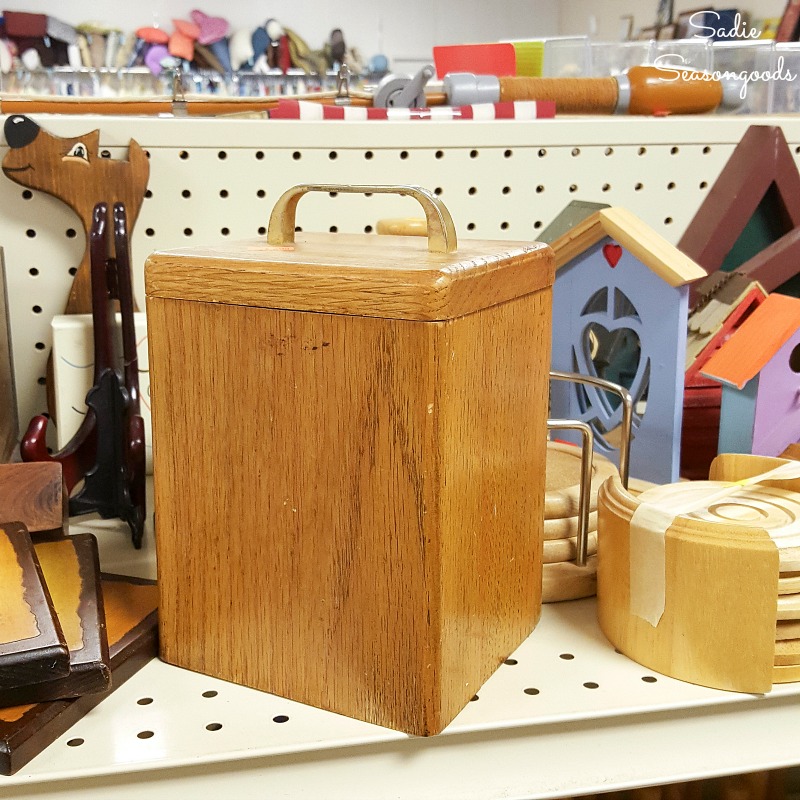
{"points": [[349, 441]]}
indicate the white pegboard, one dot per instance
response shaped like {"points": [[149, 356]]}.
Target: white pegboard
{"points": [[565, 702], [217, 180]]}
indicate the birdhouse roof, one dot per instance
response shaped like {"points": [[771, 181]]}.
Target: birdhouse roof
{"points": [[756, 341], [625, 228]]}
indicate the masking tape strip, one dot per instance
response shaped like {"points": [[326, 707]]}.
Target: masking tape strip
{"points": [[648, 528]]}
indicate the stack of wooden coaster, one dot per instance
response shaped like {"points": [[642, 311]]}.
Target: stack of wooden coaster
{"points": [[562, 578]]}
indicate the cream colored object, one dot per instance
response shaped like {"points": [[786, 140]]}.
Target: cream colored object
{"points": [[562, 480]]}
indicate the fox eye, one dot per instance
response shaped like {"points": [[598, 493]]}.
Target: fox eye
{"points": [[78, 151]]}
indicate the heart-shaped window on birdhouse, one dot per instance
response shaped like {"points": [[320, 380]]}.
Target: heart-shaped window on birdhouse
{"points": [[610, 347]]}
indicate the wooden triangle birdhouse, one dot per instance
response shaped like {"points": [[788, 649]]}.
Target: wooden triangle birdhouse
{"points": [[750, 220]]}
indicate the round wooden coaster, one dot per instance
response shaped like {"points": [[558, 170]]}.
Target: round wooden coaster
{"points": [[789, 606], [789, 583], [567, 527], [558, 550], [563, 477], [788, 674], [787, 629], [787, 653], [566, 581], [764, 507]]}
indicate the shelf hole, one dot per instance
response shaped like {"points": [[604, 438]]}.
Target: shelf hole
{"points": [[333, 194], [642, 151], [474, 698], [542, 152], [225, 231], [145, 735], [214, 726], [470, 226], [439, 154], [41, 380], [368, 229], [222, 155], [187, 231], [649, 679], [105, 154], [223, 193], [148, 194], [638, 187], [673, 151], [472, 190], [606, 187], [280, 718], [30, 233], [707, 150], [573, 187], [297, 155], [75, 742], [566, 656], [27, 194], [71, 233], [368, 154], [210, 693], [184, 154], [333, 229], [591, 685], [539, 189], [576, 151], [404, 154], [503, 226], [507, 189], [33, 271], [368, 194], [333, 155], [149, 232], [509, 153], [473, 153], [512, 662], [703, 184], [260, 155], [37, 309], [530, 690], [668, 221], [144, 701], [537, 224], [73, 271], [262, 230], [261, 193], [437, 191], [186, 193], [147, 153], [609, 151], [671, 185], [40, 345], [297, 229]]}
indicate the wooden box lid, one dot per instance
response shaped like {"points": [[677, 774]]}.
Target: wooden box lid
{"points": [[397, 277]]}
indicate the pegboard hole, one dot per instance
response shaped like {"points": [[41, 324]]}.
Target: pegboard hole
{"points": [[609, 151], [210, 693], [148, 194], [537, 224], [186, 193], [33, 271], [566, 656], [706, 150], [573, 187], [539, 189], [668, 221], [437, 191], [144, 701], [297, 229], [147, 154], [507, 189], [37, 309], [642, 151], [280, 718], [333, 194], [369, 155], [509, 153], [105, 154], [530, 690], [472, 190], [260, 155], [474, 698], [673, 151], [404, 154], [670, 186], [187, 231], [70, 233], [333, 155], [591, 685], [27, 194], [75, 742], [649, 679], [576, 151], [473, 153], [30, 233], [41, 380], [40, 345], [261, 193], [703, 184], [503, 226], [297, 155], [542, 152], [73, 271], [262, 230], [470, 226], [333, 229], [225, 231], [223, 193], [184, 154], [368, 229], [511, 662], [638, 187], [222, 155], [606, 187], [214, 726], [149, 232], [145, 735], [439, 154]]}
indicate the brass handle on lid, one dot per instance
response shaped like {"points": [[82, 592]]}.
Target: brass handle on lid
{"points": [[441, 231]]}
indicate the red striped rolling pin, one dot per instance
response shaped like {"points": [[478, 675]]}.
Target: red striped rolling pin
{"points": [[520, 109]]}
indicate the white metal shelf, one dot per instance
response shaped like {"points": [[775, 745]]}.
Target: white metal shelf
{"points": [[570, 716]]}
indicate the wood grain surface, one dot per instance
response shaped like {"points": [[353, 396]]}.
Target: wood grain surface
{"points": [[566, 527], [787, 629], [787, 653], [556, 550], [568, 581], [33, 494], [718, 626], [374, 545], [32, 646], [392, 277]]}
